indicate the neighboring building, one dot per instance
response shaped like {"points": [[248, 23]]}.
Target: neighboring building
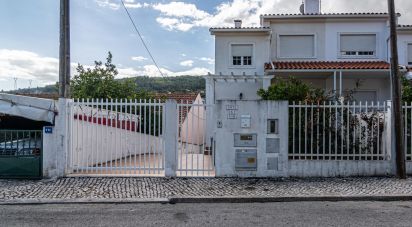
{"points": [[333, 51]]}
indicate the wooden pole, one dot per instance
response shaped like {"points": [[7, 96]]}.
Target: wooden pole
{"points": [[64, 56], [396, 95]]}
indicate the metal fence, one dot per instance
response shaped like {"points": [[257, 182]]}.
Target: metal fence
{"points": [[122, 137], [338, 131], [407, 114], [20, 142], [195, 151], [21, 153]]}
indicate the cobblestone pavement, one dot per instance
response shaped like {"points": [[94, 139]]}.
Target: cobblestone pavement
{"points": [[146, 188]]}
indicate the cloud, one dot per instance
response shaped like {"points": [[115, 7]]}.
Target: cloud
{"points": [[188, 63], [209, 61], [115, 5], [183, 16], [139, 58], [152, 71], [28, 65]]}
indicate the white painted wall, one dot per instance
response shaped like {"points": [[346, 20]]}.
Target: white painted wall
{"points": [[95, 144], [259, 111], [223, 55]]}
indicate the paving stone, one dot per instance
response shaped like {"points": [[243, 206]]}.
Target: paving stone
{"points": [[144, 188]]}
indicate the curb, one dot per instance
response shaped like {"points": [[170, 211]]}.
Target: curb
{"points": [[82, 201], [176, 200], [289, 199]]}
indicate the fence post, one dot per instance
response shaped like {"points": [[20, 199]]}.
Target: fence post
{"points": [[170, 137]]}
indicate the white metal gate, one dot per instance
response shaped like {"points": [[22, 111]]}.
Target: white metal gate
{"points": [[195, 145], [116, 137]]}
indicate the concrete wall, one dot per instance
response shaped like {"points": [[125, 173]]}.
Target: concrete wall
{"points": [[259, 111]]}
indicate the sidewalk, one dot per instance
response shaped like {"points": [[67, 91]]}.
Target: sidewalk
{"points": [[118, 190]]}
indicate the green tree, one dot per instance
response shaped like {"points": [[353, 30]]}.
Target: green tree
{"points": [[99, 83]]}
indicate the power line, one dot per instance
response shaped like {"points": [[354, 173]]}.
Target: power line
{"points": [[141, 38]]}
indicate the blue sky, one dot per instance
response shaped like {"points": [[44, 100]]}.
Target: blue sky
{"points": [[175, 31]]}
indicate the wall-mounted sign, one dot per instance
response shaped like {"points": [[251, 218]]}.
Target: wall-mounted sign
{"points": [[48, 130], [232, 107], [232, 114]]}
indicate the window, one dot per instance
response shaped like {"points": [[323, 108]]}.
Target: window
{"points": [[358, 45], [410, 54], [296, 46], [242, 54]]}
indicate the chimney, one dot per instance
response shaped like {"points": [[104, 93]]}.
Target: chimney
{"points": [[311, 6], [238, 23]]}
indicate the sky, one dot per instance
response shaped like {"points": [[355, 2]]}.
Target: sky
{"points": [[176, 32]]}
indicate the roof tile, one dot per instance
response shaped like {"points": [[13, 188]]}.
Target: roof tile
{"points": [[328, 65]]}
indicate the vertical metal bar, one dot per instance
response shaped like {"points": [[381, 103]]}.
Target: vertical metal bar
{"points": [[145, 136], [354, 131], [372, 129], [201, 144], [293, 131], [367, 134], [360, 131], [330, 129], [347, 130], [300, 130], [342, 136], [317, 130], [336, 130], [306, 130], [140, 135], [324, 127], [187, 135], [150, 133], [135, 135], [311, 130]]}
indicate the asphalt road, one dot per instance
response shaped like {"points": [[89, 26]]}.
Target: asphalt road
{"points": [[252, 214]]}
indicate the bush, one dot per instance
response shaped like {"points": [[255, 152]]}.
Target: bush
{"points": [[292, 89]]}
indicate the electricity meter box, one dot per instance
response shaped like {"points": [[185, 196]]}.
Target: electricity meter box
{"points": [[246, 159]]}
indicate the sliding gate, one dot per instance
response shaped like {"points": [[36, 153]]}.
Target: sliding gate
{"points": [[116, 137], [126, 137]]}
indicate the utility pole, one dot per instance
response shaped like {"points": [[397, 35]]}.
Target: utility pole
{"points": [[396, 94], [64, 56]]}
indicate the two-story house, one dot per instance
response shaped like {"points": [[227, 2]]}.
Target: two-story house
{"points": [[338, 52]]}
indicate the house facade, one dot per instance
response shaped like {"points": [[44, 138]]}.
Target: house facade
{"points": [[338, 52]]}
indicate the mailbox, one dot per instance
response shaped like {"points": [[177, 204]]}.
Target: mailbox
{"points": [[245, 140]]}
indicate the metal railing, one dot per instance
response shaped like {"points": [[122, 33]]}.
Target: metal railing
{"points": [[121, 137], [407, 115], [195, 150], [20, 142], [338, 131]]}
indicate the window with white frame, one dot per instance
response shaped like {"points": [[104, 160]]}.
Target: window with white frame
{"points": [[358, 45], [410, 54], [242, 54], [296, 46]]}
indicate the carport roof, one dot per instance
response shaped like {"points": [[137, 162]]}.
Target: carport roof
{"points": [[328, 65]]}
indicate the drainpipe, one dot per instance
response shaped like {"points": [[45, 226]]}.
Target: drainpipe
{"points": [[334, 83], [340, 84]]}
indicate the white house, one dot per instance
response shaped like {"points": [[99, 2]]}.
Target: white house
{"points": [[334, 51]]}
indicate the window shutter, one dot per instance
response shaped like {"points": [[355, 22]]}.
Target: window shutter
{"points": [[242, 50], [410, 54], [358, 42], [297, 46]]}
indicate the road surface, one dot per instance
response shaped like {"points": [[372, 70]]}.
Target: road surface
{"points": [[220, 214]]}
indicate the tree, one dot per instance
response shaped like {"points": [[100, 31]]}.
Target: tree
{"points": [[100, 83]]}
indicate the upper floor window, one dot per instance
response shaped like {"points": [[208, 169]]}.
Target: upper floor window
{"points": [[410, 54], [242, 54], [296, 46], [358, 45]]}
